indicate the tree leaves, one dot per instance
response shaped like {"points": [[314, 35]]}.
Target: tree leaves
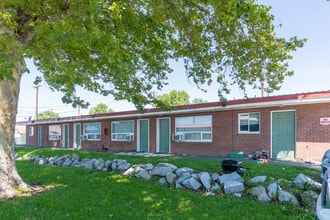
{"points": [[122, 48]]}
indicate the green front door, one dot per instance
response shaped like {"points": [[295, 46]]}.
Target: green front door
{"points": [[163, 135], [65, 136], [283, 134], [39, 136], [77, 136], [143, 144]]}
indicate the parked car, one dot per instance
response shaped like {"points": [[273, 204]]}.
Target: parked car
{"points": [[323, 201], [325, 163]]}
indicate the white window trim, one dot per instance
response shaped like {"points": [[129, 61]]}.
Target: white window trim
{"points": [[54, 137], [193, 132], [87, 134], [129, 136], [31, 131], [248, 132]]}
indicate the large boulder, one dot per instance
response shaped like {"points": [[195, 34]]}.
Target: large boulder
{"points": [[192, 183], [148, 166], [215, 176], [162, 181], [122, 165], [90, 164], [60, 161], [272, 189], [99, 164], [261, 193], [43, 161], [205, 179], [67, 162], [162, 169], [52, 160], [234, 176], [143, 174], [183, 177], [233, 187], [258, 179], [75, 157], [107, 165], [301, 180], [286, 197], [171, 177], [182, 170]]}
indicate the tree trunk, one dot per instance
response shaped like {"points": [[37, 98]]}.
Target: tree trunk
{"points": [[9, 93]]}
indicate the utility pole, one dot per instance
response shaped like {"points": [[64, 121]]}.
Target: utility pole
{"points": [[262, 89], [37, 100]]}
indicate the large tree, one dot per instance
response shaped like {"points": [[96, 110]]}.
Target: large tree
{"points": [[100, 108], [173, 98], [48, 114], [122, 48]]}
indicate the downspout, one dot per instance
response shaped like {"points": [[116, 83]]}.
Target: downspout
{"points": [[232, 129]]}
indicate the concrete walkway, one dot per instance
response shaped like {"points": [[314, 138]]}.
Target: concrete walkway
{"points": [[292, 162]]}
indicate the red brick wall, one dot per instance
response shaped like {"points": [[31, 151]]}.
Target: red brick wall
{"points": [[312, 139], [225, 135], [31, 140]]}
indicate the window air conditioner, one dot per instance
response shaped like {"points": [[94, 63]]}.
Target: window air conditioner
{"points": [[177, 137], [84, 137], [129, 137]]}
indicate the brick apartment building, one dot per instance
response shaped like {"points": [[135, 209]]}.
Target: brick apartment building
{"points": [[288, 126]]}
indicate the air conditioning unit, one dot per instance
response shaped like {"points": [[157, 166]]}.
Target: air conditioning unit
{"points": [[114, 137], [177, 137], [129, 137], [84, 137]]}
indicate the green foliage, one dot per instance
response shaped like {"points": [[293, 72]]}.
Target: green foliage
{"points": [[172, 99], [48, 114], [110, 195], [122, 48], [198, 101], [100, 108]]}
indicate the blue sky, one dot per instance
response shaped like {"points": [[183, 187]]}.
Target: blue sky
{"points": [[311, 64]]}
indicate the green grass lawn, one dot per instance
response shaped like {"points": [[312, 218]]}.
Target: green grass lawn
{"points": [[89, 194]]}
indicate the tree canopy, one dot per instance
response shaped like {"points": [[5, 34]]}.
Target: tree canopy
{"points": [[122, 48], [173, 98], [100, 108], [48, 114], [198, 101]]}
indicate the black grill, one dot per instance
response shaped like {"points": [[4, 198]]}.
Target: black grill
{"points": [[231, 165]]}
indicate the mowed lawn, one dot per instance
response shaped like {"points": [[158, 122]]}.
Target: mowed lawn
{"points": [[74, 193]]}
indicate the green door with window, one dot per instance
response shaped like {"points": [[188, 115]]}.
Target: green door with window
{"points": [[163, 135], [143, 144], [283, 134]]}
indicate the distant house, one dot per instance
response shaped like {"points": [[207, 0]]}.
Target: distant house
{"points": [[288, 126], [20, 133]]}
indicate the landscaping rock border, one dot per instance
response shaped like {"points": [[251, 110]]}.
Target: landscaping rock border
{"points": [[185, 177]]}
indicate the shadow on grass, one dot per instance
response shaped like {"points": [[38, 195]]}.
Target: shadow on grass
{"points": [[91, 194]]}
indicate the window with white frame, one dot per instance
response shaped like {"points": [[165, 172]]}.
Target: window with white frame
{"points": [[194, 129], [249, 122], [92, 131], [54, 132], [122, 130], [31, 130]]}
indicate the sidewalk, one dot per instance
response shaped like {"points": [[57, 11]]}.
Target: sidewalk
{"points": [[292, 162]]}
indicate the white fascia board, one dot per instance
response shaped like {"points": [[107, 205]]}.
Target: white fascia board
{"points": [[197, 110]]}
